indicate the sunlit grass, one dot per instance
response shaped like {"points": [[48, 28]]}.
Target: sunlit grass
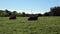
{"points": [[44, 25]]}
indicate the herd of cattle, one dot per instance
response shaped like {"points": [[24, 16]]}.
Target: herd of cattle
{"points": [[30, 18]]}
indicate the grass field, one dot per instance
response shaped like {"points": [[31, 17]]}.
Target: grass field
{"points": [[44, 25]]}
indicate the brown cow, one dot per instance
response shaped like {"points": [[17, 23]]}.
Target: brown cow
{"points": [[12, 17], [33, 18]]}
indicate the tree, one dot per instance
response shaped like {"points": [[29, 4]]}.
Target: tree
{"points": [[15, 12], [39, 14], [55, 11], [23, 14], [8, 13], [2, 13], [46, 14]]}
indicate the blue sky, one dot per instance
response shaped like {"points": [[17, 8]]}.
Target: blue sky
{"points": [[29, 6]]}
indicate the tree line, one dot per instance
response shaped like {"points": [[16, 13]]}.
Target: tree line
{"points": [[54, 11]]}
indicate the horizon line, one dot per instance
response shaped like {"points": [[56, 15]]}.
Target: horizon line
{"points": [[28, 11]]}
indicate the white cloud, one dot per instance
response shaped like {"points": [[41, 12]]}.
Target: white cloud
{"points": [[28, 11]]}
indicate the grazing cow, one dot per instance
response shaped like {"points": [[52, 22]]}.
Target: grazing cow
{"points": [[12, 17], [33, 18]]}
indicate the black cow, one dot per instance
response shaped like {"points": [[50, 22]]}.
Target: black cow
{"points": [[33, 18], [12, 17]]}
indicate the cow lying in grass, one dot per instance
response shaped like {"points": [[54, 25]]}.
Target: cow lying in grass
{"points": [[33, 18], [12, 17]]}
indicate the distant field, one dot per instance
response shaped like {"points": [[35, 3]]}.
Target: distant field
{"points": [[44, 25]]}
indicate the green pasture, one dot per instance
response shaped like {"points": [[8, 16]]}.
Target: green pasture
{"points": [[44, 25]]}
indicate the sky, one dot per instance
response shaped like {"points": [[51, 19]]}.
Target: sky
{"points": [[29, 6]]}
